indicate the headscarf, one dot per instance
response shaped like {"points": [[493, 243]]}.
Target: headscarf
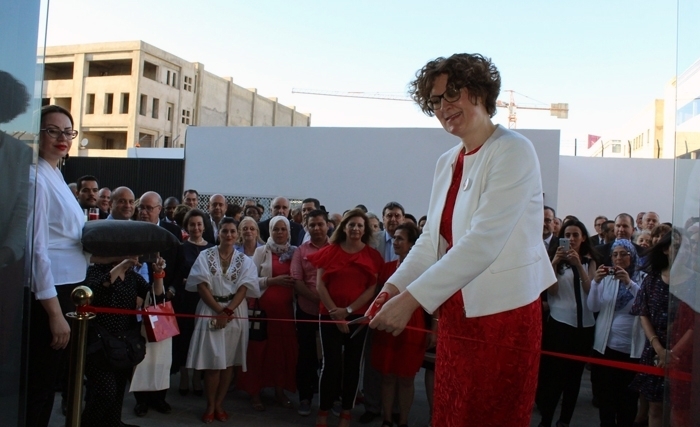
{"points": [[284, 250]]}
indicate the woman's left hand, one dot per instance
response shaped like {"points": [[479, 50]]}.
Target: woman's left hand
{"points": [[159, 265], [622, 275], [573, 258], [395, 314]]}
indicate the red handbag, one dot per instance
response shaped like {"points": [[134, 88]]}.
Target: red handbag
{"points": [[159, 328]]}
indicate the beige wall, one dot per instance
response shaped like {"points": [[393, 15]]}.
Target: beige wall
{"points": [[196, 96]]}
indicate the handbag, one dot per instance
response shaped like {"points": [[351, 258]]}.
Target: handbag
{"points": [[117, 352], [257, 322], [159, 328]]}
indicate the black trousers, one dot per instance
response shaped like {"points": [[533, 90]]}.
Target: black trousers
{"points": [[341, 364], [104, 395], [44, 365], [150, 397], [307, 360], [618, 403], [561, 376]]}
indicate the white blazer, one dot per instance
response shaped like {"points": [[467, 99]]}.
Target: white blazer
{"points": [[498, 260]]}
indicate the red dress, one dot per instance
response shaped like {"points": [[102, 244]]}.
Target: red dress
{"points": [[273, 362], [346, 275], [482, 377], [401, 355]]}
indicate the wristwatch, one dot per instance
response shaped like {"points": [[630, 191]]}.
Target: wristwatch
{"points": [[348, 309]]}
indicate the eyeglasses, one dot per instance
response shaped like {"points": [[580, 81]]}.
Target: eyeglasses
{"points": [[55, 133], [148, 209], [451, 94], [619, 254]]}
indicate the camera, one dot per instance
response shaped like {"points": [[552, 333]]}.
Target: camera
{"points": [[565, 243], [611, 271]]}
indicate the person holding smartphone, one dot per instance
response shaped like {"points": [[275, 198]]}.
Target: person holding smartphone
{"points": [[570, 326]]}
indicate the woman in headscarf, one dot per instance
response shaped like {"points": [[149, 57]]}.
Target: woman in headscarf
{"points": [[618, 336], [272, 361]]}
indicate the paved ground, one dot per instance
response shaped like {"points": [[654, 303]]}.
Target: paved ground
{"points": [[188, 410]]}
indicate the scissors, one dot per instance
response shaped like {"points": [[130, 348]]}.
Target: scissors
{"points": [[378, 303]]}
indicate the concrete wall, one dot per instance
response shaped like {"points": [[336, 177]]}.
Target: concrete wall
{"points": [[214, 100], [342, 167], [264, 111], [240, 106]]}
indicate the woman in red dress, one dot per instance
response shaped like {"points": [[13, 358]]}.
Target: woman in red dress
{"points": [[480, 258], [398, 358], [272, 362], [345, 281]]}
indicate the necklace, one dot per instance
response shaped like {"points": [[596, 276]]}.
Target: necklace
{"points": [[198, 242]]}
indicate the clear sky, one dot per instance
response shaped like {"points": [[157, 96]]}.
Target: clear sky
{"points": [[607, 59]]}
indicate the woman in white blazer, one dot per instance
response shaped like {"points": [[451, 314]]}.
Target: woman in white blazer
{"points": [[480, 259]]}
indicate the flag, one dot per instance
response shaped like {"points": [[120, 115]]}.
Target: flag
{"points": [[592, 139]]}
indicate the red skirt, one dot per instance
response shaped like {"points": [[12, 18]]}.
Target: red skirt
{"points": [[400, 355], [489, 378]]}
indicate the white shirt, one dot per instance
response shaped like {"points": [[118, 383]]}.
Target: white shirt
{"points": [[58, 226], [562, 305]]}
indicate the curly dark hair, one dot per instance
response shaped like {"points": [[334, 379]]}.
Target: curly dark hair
{"points": [[464, 70]]}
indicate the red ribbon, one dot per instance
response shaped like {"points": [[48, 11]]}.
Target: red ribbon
{"points": [[644, 369]]}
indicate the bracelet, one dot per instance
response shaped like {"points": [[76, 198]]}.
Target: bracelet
{"points": [[651, 341], [227, 311], [160, 275]]}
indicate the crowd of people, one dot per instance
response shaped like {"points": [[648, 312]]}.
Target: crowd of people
{"points": [[481, 293]]}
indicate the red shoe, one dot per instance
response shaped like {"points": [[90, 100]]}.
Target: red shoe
{"points": [[208, 418], [221, 416]]}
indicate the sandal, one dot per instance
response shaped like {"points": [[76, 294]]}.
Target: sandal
{"points": [[221, 416], [322, 414], [258, 406], [208, 418]]}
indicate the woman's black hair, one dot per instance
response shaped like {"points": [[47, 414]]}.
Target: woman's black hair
{"points": [[656, 260], [586, 251]]}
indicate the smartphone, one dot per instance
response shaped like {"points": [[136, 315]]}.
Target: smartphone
{"points": [[148, 258], [565, 243]]}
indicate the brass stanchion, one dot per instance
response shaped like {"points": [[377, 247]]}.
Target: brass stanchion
{"points": [[82, 295]]}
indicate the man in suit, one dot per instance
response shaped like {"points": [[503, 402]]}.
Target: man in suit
{"points": [[280, 206], [597, 239], [150, 207], [217, 210], [624, 229], [551, 242]]}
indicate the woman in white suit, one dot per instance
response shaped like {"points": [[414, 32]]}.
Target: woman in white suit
{"points": [[480, 259]]}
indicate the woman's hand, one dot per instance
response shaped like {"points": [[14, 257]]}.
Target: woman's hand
{"points": [[573, 258], [60, 332], [559, 256], [281, 280], [666, 357], [343, 327], [600, 273], [395, 314], [338, 313], [159, 265], [221, 321], [622, 275]]}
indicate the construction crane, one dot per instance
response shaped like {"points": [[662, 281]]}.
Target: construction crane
{"points": [[559, 110]]}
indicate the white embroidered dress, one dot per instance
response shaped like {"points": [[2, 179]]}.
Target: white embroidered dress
{"points": [[221, 348]]}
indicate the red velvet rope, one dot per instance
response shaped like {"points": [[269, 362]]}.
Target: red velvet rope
{"points": [[644, 369]]}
